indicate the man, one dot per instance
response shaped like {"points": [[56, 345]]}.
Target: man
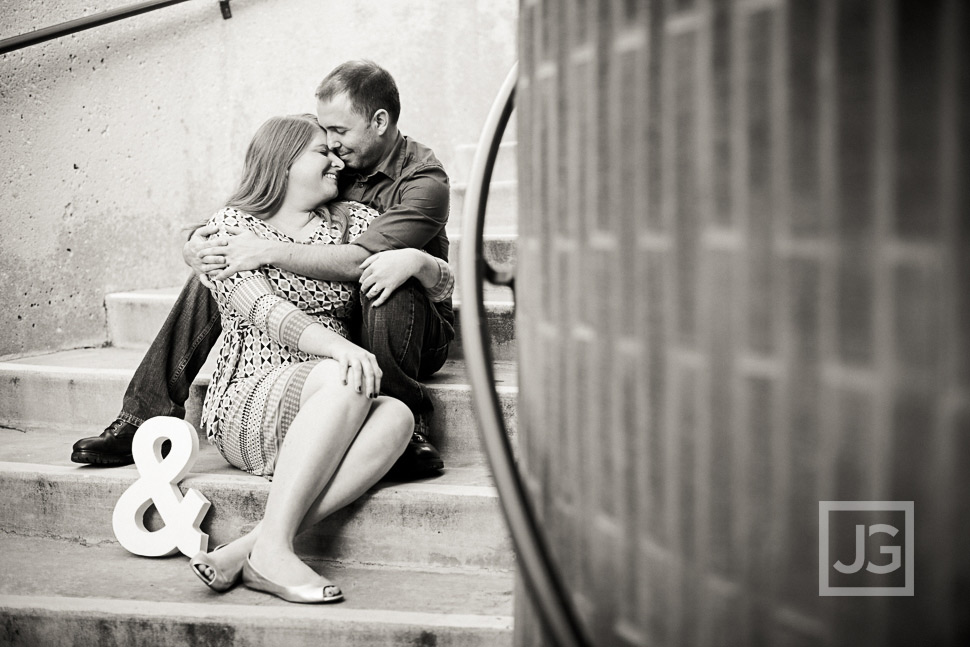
{"points": [[358, 106]]}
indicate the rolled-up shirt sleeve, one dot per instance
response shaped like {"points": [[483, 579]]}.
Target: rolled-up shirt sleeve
{"points": [[445, 286], [414, 221]]}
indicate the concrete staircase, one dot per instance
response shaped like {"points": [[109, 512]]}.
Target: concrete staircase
{"points": [[421, 563]]}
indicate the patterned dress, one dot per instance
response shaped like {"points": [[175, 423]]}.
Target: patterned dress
{"points": [[255, 389]]}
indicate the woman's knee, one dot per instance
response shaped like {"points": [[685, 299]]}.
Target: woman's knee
{"points": [[398, 418], [325, 375], [326, 381]]}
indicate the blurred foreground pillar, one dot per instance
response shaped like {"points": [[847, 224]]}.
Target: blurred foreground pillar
{"points": [[743, 289]]}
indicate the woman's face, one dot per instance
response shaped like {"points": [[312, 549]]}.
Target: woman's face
{"points": [[314, 173]]}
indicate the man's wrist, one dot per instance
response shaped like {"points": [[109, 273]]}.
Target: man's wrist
{"points": [[273, 253], [430, 273]]}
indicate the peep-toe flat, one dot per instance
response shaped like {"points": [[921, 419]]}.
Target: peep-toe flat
{"points": [[316, 593], [221, 580]]}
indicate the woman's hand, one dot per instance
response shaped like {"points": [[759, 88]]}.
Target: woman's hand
{"points": [[359, 368], [386, 271]]}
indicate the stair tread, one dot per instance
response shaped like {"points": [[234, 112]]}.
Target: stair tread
{"points": [[58, 572]]}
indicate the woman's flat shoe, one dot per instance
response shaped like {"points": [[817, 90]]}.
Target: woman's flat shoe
{"points": [[306, 593], [220, 581]]}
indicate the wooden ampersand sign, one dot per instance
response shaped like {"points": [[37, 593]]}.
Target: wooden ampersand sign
{"points": [[158, 484]]}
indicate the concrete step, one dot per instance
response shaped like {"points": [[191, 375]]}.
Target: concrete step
{"points": [[501, 212], [81, 391], [500, 249], [450, 521], [506, 165], [135, 317], [68, 593]]}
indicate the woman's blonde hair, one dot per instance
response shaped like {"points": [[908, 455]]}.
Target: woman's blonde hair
{"points": [[273, 149]]}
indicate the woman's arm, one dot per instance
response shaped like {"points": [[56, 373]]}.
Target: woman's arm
{"points": [[251, 295], [386, 271]]}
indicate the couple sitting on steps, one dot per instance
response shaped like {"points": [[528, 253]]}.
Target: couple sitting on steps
{"points": [[316, 385]]}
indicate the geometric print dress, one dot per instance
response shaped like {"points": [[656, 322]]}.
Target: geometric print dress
{"points": [[255, 389]]}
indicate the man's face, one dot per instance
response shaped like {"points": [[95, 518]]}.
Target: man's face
{"points": [[353, 138]]}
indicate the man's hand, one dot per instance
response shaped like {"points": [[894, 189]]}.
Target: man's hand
{"points": [[243, 250], [386, 271], [193, 253], [197, 243]]}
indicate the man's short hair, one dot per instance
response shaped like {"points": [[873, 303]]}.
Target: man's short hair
{"points": [[369, 87]]}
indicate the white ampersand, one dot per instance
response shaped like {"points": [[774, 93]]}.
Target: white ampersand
{"points": [[158, 484]]}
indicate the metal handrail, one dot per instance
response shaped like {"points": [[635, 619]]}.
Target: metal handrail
{"points": [[548, 592], [96, 20]]}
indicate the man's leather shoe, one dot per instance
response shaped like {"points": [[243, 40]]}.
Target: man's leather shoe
{"points": [[111, 448], [424, 455], [420, 458]]}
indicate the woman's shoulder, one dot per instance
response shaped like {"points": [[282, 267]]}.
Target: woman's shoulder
{"points": [[231, 217], [359, 211], [359, 218]]}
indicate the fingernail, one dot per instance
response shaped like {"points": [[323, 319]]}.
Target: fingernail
{"points": [[345, 382], [359, 390]]}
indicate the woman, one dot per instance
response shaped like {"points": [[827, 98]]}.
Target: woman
{"points": [[292, 399]]}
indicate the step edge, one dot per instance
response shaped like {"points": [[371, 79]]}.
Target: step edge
{"points": [[126, 475], [138, 297], [501, 184], [203, 379], [247, 613]]}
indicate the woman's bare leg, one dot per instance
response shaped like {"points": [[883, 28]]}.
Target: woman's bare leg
{"points": [[330, 416], [382, 438]]}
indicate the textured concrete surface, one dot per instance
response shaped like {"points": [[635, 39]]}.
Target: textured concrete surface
{"points": [[65, 593], [115, 138]]}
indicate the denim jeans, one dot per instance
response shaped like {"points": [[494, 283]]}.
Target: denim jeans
{"points": [[410, 339], [162, 381], [406, 333]]}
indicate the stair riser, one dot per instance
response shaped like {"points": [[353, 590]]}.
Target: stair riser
{"points": [[85, 401], [406, 526], [500, 319], [48, 622], [135, 318]]}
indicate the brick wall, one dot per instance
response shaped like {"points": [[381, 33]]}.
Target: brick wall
{"points": [[744, 288]]}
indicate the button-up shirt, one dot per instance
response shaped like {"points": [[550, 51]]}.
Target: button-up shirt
{"points": [[410, 190]]}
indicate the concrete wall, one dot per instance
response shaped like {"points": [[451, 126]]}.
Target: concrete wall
{"points": [[112, 139], [769, 205]]}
